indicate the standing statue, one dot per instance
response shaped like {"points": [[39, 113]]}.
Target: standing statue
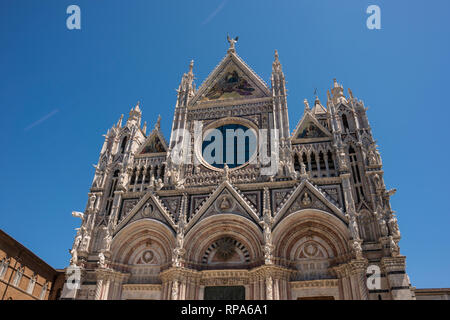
{"points": [[357, 249], [383, 227], [108, 240], [226, 172], [232, 42], [395, 250], [354, 228], [101, 260], [178, 252], [92, 199], [303, 172], [267, 234], [76, 244], [393, 226]]}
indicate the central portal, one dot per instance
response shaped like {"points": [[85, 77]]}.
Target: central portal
{"points": [[225, 293]]}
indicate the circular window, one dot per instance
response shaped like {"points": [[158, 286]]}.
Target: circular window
{"points": [[232, 144]]}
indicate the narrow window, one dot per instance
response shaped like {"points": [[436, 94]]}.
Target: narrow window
{"points": [[345, 122], [123, 145]]}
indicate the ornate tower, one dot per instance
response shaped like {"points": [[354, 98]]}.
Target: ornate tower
{"points": [[237, 206]]}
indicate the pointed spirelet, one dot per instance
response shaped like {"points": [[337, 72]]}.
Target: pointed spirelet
{"points": [[276, 65], [119, 123], [318, 107], [337, 92], [307, 108], [350, 93], [191, 67], [136, 108], [158, 123], [144, 128]]}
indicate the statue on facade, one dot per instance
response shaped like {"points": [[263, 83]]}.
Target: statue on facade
{"points": [[74, 251], [354, 227], [232, 42], [394, 248], [108, 239], [266, 224], [373, 155], [393, 226], [101, 260], [175, 290], [226, 172], [357, 249], [383, 227], [178, 252], [92, 199], [159, 184], [303, 172]]}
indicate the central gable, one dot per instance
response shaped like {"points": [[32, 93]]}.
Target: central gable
{"points": [[231, 79]]}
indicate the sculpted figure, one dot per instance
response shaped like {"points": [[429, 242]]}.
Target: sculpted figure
{"points": [[393, 226], [357, 249], [101, 260]]}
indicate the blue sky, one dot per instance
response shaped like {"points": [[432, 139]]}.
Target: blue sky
{"points": [[61, 89]]}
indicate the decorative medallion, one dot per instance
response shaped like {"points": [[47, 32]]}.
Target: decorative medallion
{"points": [[147, 211], [225, 203], [306, 199], [147, 256]]}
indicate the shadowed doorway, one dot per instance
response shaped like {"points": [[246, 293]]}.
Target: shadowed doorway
{"points": [[225, 293]]}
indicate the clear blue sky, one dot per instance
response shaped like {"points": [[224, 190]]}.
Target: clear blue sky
{"points": [[60, 90]]}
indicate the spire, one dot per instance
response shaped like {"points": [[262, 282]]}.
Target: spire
{"points": [[136, 108], [135, 115], [307, 109], [276, 65], [144, 128], [318, 107], [186, 90], [350, 93], [119, 123], [191, 67], [158, 123], [337, 92]]}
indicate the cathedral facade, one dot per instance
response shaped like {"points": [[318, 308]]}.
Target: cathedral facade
{"points": [[236, 205]]}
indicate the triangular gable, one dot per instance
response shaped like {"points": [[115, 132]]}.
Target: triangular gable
{"points": [[154, 144], [173, 205], [363, 206], [224, 199], [309, 129], [307, 196], [231, 79], [344, 107], [157, 211]]}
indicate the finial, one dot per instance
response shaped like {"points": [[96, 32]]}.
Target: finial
{"points": [[158, 123], [144, 128], [119, 123], [191, 66], [232, 43], [350, 93], [306, 105], [276, 65], [137, 106]]}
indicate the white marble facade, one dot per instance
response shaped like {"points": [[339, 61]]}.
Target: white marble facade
{"points": [[154, 228]]}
